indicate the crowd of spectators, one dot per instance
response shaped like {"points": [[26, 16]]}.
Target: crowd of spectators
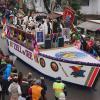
{"points": [[20, 87], [15, 83]]}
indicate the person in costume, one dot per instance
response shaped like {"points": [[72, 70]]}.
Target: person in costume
{"points": [[36, 53]]}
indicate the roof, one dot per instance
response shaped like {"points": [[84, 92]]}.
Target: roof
{"points": [[92, 25], [54, 15], [95, 21]]}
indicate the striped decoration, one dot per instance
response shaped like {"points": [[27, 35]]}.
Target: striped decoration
{"points": [[92, 76]]}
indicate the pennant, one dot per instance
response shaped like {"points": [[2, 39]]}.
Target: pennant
{"points": [[68, 16]]}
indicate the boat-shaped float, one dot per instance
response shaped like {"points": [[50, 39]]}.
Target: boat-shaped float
{"points": [[69, 63]]}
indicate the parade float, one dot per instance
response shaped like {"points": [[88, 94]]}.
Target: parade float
{"points": [[68, 62]]}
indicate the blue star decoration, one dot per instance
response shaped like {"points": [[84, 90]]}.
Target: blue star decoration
{"points": [[77, 71]]}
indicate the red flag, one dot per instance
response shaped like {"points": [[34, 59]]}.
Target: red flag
{"points": [[69, 12]]}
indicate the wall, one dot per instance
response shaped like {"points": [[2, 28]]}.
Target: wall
{"points": [[39, 6], [93, 8]]}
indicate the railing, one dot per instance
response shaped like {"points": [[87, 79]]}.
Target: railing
{"points": [[13, 34]]}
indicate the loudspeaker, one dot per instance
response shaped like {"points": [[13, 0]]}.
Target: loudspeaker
{"points": [[60, 41], [47, 44]]}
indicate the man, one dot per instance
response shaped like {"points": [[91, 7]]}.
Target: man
{"points": [[14, 89], [24, 88], [5, 82], [37, 90], [44, 86], [59, 88]]}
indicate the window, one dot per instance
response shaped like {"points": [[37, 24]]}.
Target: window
{"points": [[84, 2]]}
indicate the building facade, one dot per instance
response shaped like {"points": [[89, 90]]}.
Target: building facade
{"points": [[90, 7]]}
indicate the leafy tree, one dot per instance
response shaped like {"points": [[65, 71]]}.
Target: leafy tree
{"points": [[75, 4], [64, 3]]}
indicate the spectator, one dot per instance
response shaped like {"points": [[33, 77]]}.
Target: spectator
{"points": [[30, 90], [43, 85], [29, 77], [20, 78], [14, 71], [14, 89], [2, 66], [58, 87], [0, 88], [24, 88], [5, 83], [36, 90]]}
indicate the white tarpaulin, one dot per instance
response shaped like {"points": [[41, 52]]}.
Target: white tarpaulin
{"points": [[90, 25]]}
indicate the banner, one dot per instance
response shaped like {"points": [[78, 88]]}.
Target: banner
{"points": [[40, 37], [68, 16], [66, 34]]}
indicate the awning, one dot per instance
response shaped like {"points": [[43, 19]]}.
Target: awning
{"points": [[54, 15], [90, 25]]}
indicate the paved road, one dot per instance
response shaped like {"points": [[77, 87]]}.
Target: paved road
{"points": [[74, 92]]}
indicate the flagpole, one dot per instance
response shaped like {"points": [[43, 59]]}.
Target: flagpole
{"points": [[52, 8]]}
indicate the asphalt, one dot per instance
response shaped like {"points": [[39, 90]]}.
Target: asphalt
{"points": [[74, 92]]}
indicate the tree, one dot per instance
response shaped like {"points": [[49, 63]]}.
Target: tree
{"points": [[75, 4], [64, 3], [47, 4]]}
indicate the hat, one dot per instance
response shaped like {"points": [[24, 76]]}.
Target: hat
{"points": [[34, 80], [38, 82], [58, 79]]}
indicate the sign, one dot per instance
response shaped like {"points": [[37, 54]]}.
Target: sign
{"points": [[40, 37], [66, 34], [21, 50], [68, 16]]}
